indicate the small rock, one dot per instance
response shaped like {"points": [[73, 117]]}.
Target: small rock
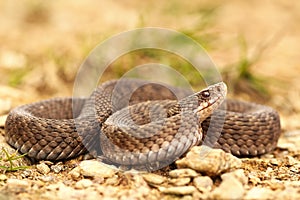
{"points": [[141, 186], [91, 168], [84, 183], [181, 173], [46, 178], [290, 161], [43, 168], [228, 189], [274, 184], [75, 173], [37, 185], [295, 184], [66, 192], [292, 134], [5, 106], [238, 174], [154, 178], [180, 190], [26, 173], [200, 195], [288, 193], [108, 191], [139, 181], [203, 183], [180, 181], [295, 168], [2, 120], [253, 178], [259, 193], [58, 167], [209, 161], [54, 187], [115, 180], [285, 145], [17, 186], [47, 162], [275, 162], [3, 177], [268, 171]]}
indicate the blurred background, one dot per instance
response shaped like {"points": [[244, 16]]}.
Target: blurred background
{"points": [[255, 45]]}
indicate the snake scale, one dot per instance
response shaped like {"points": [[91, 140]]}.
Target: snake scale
{"points": [[136, 122]]}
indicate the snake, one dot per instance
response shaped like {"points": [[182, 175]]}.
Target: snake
{"points": [[140, 122]]}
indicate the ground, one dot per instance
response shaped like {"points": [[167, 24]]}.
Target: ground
{"points": [[253, 44]]}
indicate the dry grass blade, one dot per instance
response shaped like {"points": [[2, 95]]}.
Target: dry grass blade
{"points": [[9, 160]]}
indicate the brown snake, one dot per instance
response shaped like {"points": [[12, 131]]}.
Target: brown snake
{"points": [[154, 128]]}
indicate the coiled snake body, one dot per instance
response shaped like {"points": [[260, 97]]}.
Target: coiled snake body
{"points": [[136, 122]]}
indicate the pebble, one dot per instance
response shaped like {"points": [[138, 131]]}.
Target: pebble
{"points": [[83, 183], [203, 183], [66, 192], [154, 178], [259, 193], [290, 161], [230, 188], [253, 178], [293, 184], [26, 173], [58, 167], [268, 171], [274, 184], [181, 173], [238, 174], [75, 173], [288, 193], [37, 184], [180, 181], [200, 195], [3, 177], [180, 190], [275, 162], [139, 181], [211, 162], [54, 186], [5, 106], [17, 186], [43, 168], [108, 191], [295, 168], [47, 162], [46, 178], [2, 120], [92, 168], [115, 180]]}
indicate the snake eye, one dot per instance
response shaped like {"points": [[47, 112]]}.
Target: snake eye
{"points": [[205, 94]]}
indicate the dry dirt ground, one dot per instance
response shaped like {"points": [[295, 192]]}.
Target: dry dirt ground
{"points": [[43, 45]]}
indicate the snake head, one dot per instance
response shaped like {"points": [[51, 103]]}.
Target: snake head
{"points": [[209, 99]]}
